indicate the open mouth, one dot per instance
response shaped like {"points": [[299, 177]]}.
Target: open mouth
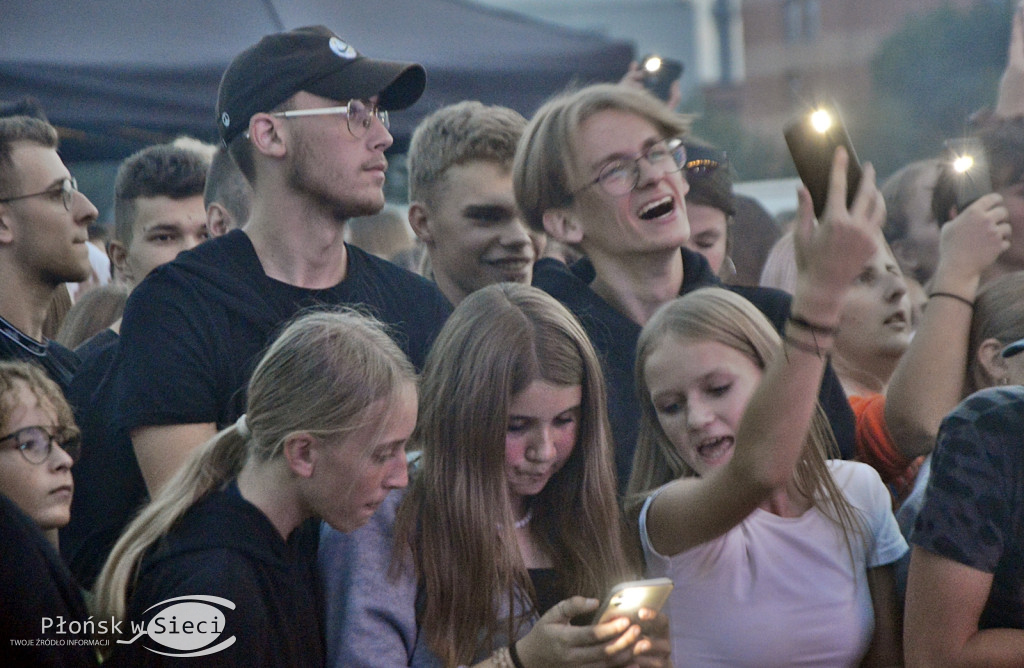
{"points": [[711, 449], [899, 318], [657, 208]]}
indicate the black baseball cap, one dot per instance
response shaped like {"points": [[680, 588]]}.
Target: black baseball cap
{"points": [[311, 59]]}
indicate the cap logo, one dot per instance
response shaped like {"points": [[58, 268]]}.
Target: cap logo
{"points": [[225, 120], [342, 49]]}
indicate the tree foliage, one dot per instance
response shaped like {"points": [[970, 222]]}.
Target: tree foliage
{"points": [[929, 77]]}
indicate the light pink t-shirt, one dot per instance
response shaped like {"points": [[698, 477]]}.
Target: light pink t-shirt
{"points": [[778, 591]]}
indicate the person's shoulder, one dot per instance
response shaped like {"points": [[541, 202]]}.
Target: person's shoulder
{"points": [[97, 344], [854, 474], [773, 302], [1003, 404], [370, 267]]}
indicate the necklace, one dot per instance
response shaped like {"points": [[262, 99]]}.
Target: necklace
{"points": [[519, 524]]}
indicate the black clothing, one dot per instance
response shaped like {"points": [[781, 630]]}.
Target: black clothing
{"points": [[615, 338], [109, 488], [35, 584], [226, 547], [58, 362], [195, 328]]}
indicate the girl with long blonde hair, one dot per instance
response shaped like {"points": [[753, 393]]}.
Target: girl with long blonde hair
{"points": [[510, 527], [779, 557], [330, 407]]}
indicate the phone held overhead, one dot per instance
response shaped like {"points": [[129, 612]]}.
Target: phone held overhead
{"points": [[812, 139], [970, 170], [660, 73]]}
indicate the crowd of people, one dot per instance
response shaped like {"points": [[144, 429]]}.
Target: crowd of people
{"points": [[578, 366]]}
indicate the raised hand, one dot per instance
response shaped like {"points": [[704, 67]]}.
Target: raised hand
{"points": [[1010, 102], [971, 242], [831, 253]]}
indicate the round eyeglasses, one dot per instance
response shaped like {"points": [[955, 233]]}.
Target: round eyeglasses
{"points": [[620, 177], [35, 443], [67, 189], [359, 115]]}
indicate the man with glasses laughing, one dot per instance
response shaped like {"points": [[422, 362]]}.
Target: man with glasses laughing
{"points": [[603, 169], [305, 117], [44, 224]]}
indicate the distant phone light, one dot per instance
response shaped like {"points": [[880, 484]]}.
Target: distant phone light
{"points": [[821, 120], [652, 64], [963, 163]]}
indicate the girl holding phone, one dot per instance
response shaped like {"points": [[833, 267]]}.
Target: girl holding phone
{"points": [[779, 557], [510, 528]]}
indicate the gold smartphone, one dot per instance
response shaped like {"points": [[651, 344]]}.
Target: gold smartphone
{"points": [[626, 599]]}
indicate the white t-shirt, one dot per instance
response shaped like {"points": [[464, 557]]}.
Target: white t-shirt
{"points": [[778, 591]]}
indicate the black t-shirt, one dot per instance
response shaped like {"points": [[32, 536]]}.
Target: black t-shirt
{"points": [[973, 511], [34, 583], [109, 488], [615, 338], [225, 547], [195, 328], [58, 362]]}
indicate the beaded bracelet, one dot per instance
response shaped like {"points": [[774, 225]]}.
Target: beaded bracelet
{"points": [[950, 295], [513, 653]]}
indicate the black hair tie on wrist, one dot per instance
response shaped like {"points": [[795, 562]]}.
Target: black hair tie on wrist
{"points": [[950, 295], [514, 655]]}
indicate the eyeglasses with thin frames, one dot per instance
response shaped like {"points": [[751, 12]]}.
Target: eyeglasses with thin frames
{"points": [[358, 114], [620, 177], [36, 442], [67, 189]]}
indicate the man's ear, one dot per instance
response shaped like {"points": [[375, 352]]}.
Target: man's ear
{"points": [[562, 226], [267, 135], [419, 220], [302, 451], [118, 255], [990, 357], [217, 219]]}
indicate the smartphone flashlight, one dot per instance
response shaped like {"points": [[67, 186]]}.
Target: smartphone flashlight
{"points": [[970, 170], [660, 73], [812, 139]]}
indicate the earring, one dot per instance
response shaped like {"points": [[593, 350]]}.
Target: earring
{"points": [[1005, 380]]}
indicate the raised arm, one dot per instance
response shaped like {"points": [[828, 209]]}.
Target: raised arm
{"points": [[1010, 103], [929, 380], [770, 437]]}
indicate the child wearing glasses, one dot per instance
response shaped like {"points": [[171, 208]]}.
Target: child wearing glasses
{"points": [[38, 443]]}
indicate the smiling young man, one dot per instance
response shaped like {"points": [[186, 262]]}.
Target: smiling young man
{"points": [[600, 168], [305, 117], [462, 204], [44, 223]]}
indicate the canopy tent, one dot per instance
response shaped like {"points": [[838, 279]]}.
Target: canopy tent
{"points": [[116, 75]]}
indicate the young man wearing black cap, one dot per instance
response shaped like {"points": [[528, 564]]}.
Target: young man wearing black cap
{"points": [[305, 117]]}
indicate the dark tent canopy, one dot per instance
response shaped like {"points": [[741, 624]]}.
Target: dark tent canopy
{"points": [[116, 75]]}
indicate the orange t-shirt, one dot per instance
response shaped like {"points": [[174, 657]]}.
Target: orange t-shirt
{"points": [[876, 447]]}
